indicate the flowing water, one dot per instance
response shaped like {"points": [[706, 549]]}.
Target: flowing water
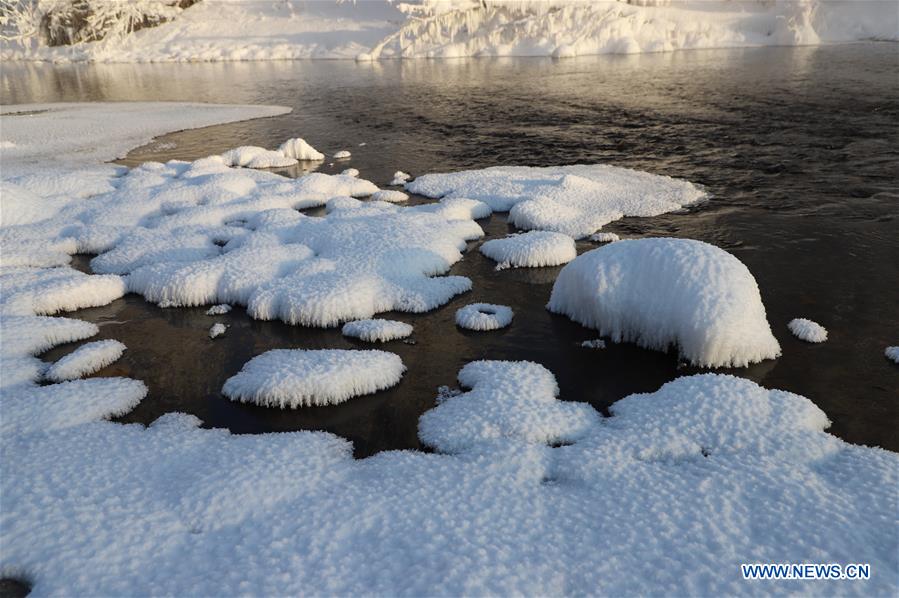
{"points": [[799, 146]]}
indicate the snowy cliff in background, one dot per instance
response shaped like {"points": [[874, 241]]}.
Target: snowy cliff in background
{"points": [[225, 30]]}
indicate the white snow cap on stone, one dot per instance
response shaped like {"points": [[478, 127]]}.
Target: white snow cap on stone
{"points": [[342, 154], [531, 250], [604, 237], [217, 330], [808, 330], [575, 200], [892, 353], [218, 310], [390, 196], [484, 316], [298, 149], [249, 156], [663, 292], [377, 330], [291, 378], [85, 360], [400, 177]]}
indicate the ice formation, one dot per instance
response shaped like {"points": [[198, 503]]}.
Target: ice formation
{"points": [[377, 330], [291, 378], [596, 343], [298, 149], [484, 316], [574, 200], [85, 360], [342, 154], [663, 292], [531, 250], [807, 330], [400, 178], [604, 237], [217, 330], [892, 353], [390, 196], [218, 310]]}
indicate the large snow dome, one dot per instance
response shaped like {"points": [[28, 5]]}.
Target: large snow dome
{"points": [[662, 292]]}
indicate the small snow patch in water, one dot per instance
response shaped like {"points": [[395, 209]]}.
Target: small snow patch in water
{"points": [[218, 310], [85, 360], [892, 353], [808, 330], [531, 250], [400, 178], [390, 196], [351, 172], [291, 378], [217, 330], [342, 154], [377, 330], [249, 156], [298, 149], [604, 237], [484, 316], [596, 343]]}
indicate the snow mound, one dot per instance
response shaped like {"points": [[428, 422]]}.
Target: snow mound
{"points": [[377, 330], [596, 343], [604, 237], [351, 172], [807, 330], [291, 378], [892, 353], [249, 156], [663, 292], [298, 149], [342, 154], [33, 291], [400, 178], [531, 250], [85, 360], [484, 316], [218, 310], [390, 196], [217, 330], [574, 200]]}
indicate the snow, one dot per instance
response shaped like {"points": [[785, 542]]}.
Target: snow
{"points": [[400, 178], [298, 149], [685, 477], [531, 250], [90, 133], [377, 330], [85, 360], [604, 237], [662, 292], [218, 310], [256, 157], [808, 330], [574, 200], [342, 154], [224, 30], [892, 353], [292, 378], [390, 196], [596, 343], [484, 316], [351, 172], [217, 330]]}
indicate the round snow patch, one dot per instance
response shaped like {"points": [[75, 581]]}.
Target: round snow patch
{"points": [[531, 250], [807, 330], [377, 330], [390, 196], [291, 378], [484, 316], [217, 330]]}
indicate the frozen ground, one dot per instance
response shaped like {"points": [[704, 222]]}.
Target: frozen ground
{"points": [[229, 30]]}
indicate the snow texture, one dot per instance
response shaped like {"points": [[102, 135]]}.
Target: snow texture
{"points": [[604, 237], [377, 330], [292, 378], [596, 343], [224, 30], [217, 330], [218, 310], [85, 360], [663, 292], [807, 330], [249, 156], [574, 200], [298, 149], [531, 250], [892, 353], [484, 316]]}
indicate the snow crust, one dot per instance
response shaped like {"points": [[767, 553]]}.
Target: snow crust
{"points": [[377, 330], [224, 30], [574, 200], [292, 378], [531, 250], [808, 330], [85, 360], [663, 292], [484, 316]]}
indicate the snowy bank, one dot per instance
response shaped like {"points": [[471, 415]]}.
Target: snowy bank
{"points": [[299, 378], [663, 292]]}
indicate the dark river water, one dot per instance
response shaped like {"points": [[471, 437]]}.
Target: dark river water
{"points": [[800, 147]]}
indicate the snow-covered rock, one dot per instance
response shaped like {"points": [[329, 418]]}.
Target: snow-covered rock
{"points": [[218, 310], [892, 353], [663, 292], [602, 237], [291, 378], [217, 330], [377, 330], [574, 200], [298, 149], [808, 330], [484, 316], [390, 196], [85, 360], [531, 250]]}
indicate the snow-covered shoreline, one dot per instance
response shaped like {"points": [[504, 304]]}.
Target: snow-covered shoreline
{"points": [[250, 30]]}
